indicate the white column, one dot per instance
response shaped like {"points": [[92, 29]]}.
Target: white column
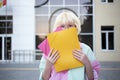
{"points": [[23, 25]]}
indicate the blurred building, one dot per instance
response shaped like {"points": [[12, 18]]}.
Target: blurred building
{"points": [[106, 30], [23, 26], [17, 30]]}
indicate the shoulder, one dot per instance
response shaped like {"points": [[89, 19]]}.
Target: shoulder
{"points": [[84, 46], [88, 51]]}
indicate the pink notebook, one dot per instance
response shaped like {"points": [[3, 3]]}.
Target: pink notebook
{"points": [[44, 46]]}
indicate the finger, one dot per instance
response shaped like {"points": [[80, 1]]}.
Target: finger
{"points": [[76, 55], [52, 56], [76, 52], [54, 53], [50, 53], [56, 58]]}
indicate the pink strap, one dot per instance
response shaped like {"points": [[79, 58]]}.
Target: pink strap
{"points": [[59, 76], [96, 69]]}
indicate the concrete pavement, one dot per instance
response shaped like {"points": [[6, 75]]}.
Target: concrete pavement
{"points": [[109, 71]]}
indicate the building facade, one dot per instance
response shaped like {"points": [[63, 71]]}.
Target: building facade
{"points": [[25, 23], [17, 30], [107, 28]]}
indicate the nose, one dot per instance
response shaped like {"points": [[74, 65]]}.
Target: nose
{"points": [[66, 27], [69, 26]]}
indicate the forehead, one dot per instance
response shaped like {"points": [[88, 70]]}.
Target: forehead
{"points": [[68, 23]]}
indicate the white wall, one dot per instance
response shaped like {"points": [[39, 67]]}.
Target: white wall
{"points": [[107, 14], [23, 25]]}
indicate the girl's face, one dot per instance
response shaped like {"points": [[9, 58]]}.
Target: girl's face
{"points": [[67, 25]]}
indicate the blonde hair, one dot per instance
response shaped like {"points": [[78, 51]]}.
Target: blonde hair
{"points": [[67, 17]]}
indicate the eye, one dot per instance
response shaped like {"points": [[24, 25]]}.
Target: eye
{"points": [[62, 26], [70, 25]]}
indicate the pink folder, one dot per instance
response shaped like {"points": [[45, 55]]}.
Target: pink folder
{"points": [[44, 46]]}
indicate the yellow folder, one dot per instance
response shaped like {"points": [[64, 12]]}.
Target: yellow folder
{"points": [[65, 42]]}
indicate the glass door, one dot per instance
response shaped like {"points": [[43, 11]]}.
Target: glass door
{"points": [[0, 48], [5, 48]]}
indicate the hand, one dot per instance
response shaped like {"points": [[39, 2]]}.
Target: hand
{"points": [[79, 55], [52, 57]]}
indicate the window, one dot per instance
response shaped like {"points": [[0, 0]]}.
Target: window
{"points": [[7, 48], [107, 37], [0, 48], [107, 1], [86, 18], [6, 24], [6, 29], [39, 39], [83, 8]]}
